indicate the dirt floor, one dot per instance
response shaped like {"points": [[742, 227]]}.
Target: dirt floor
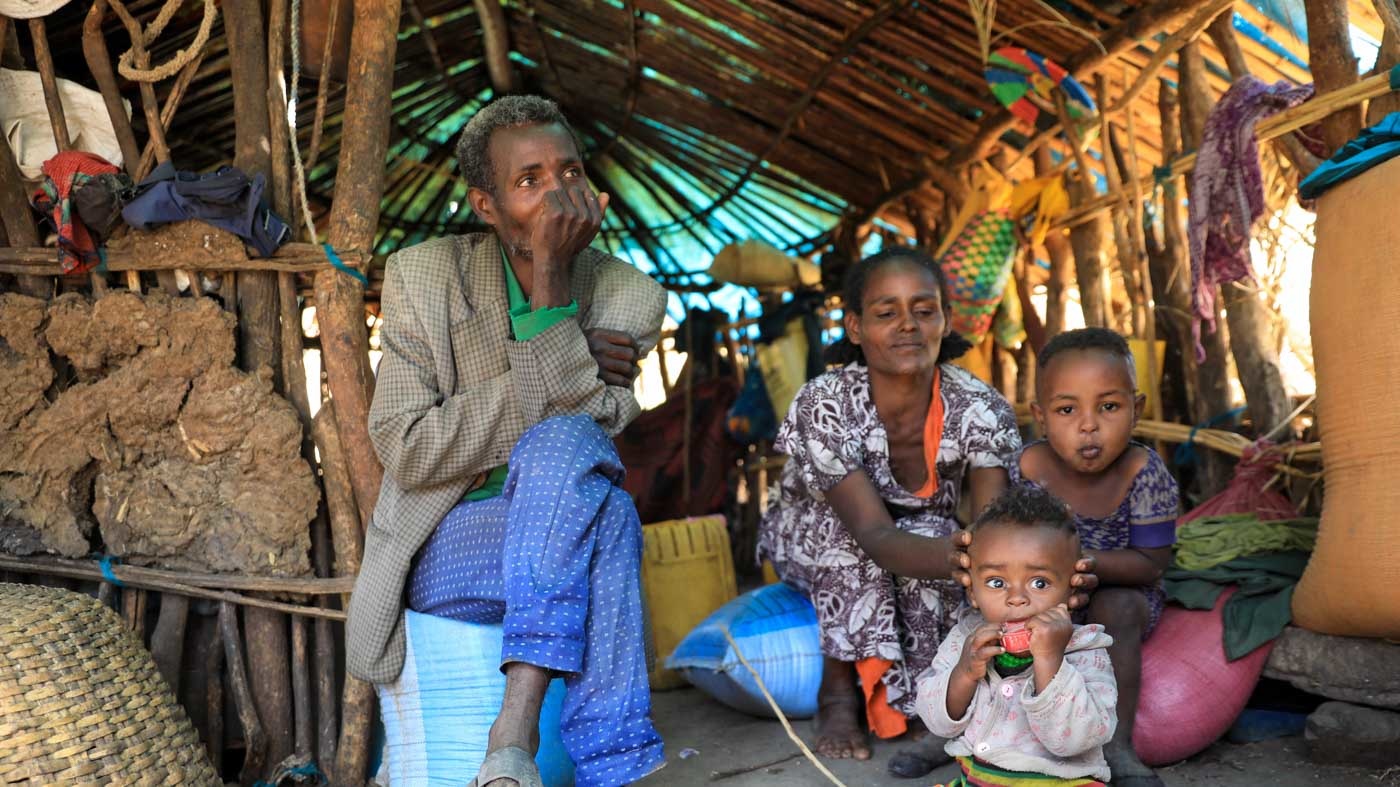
{"points": [[707, 743]]}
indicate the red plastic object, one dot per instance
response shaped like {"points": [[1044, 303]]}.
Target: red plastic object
{"points": [[1016, 638], [1190, 693]]}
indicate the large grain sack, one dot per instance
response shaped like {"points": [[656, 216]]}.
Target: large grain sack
{"points": [[753, 263], [1352, 584]]}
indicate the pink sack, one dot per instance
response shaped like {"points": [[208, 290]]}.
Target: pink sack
{"points": [[1190, 693]]}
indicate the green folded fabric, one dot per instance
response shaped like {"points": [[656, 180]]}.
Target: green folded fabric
{"points": [[1261, 607], [1212, 540]]}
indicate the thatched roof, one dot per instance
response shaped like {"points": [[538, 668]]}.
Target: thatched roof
{"points": [[714, 120]]}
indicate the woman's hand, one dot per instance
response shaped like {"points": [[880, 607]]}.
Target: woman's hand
{"points": [[1084, 581]]}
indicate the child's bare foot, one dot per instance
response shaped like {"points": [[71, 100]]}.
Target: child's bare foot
{"points": [[1126, 769], [839, 734]]}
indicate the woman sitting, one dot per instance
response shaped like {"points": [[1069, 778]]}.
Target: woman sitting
{"points": [[864, 522]]}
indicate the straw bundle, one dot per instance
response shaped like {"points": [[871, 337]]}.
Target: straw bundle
{"points": [[81, 700]]}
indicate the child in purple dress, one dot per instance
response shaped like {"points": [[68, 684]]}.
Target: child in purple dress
{"points": [[1124, 499]]}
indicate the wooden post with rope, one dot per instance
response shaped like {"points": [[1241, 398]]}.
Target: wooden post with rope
{"points": [[340, 305]]}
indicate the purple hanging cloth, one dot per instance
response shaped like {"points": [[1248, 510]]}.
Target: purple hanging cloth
{"points": [[1227, 194]]}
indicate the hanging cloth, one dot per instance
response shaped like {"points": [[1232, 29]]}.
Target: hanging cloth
{"points": [[977, 255], [1376, 145], [65, 174], [1227, 194]]}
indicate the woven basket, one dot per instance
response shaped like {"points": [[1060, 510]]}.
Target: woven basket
{"points": [[81, 700]]}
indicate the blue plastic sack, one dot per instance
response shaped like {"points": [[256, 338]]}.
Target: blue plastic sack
{"points": [[775, 627], [438, 713]]}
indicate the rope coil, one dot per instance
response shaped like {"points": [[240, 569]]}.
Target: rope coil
{"points": [[126, 63]]}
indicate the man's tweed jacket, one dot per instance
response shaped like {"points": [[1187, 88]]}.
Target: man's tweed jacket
{"points": [[455, 392]]}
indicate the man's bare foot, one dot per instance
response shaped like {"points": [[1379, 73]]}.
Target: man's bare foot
{"points": [[839, 733], [517, 726]]}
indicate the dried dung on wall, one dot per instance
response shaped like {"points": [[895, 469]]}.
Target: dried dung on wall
{"points": [[159, 448]]}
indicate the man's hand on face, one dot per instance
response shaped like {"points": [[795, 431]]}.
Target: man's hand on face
{"points": [[568, 221], [616, 354]]}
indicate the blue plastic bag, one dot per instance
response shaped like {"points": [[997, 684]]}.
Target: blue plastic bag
{"points": [[438, 713], [775, 627]]}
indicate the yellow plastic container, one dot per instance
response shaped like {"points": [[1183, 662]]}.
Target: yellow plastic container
{"points": [[687, 573]]}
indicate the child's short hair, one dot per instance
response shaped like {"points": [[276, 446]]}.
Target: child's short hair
{"points": [[1085, 339], [1029, 506]]}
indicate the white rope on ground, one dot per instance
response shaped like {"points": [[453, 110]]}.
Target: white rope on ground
{"points": [[782, 718]]}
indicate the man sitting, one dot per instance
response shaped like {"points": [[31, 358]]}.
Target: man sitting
{"points": [[508, 365]]}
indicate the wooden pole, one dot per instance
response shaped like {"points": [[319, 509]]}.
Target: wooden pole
{"points": [[495, 35], [1212, 374], [1333, 66], [63, 140], [214, 693], [1057, 247], [1222, 32], [354, 217], [346, 536], [325, 674], [1169, 268], [17, 220], [168, 638], [142, 60], [1089, 241], [99, 62], [340, 306], [1122, 219], [43, 58], [259, 345], [254, 744], [1251, 322], [1386, 59], [301, 690]]}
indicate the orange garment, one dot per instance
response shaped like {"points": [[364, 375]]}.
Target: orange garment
{"points": [[884, 720], [933, 435]]}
